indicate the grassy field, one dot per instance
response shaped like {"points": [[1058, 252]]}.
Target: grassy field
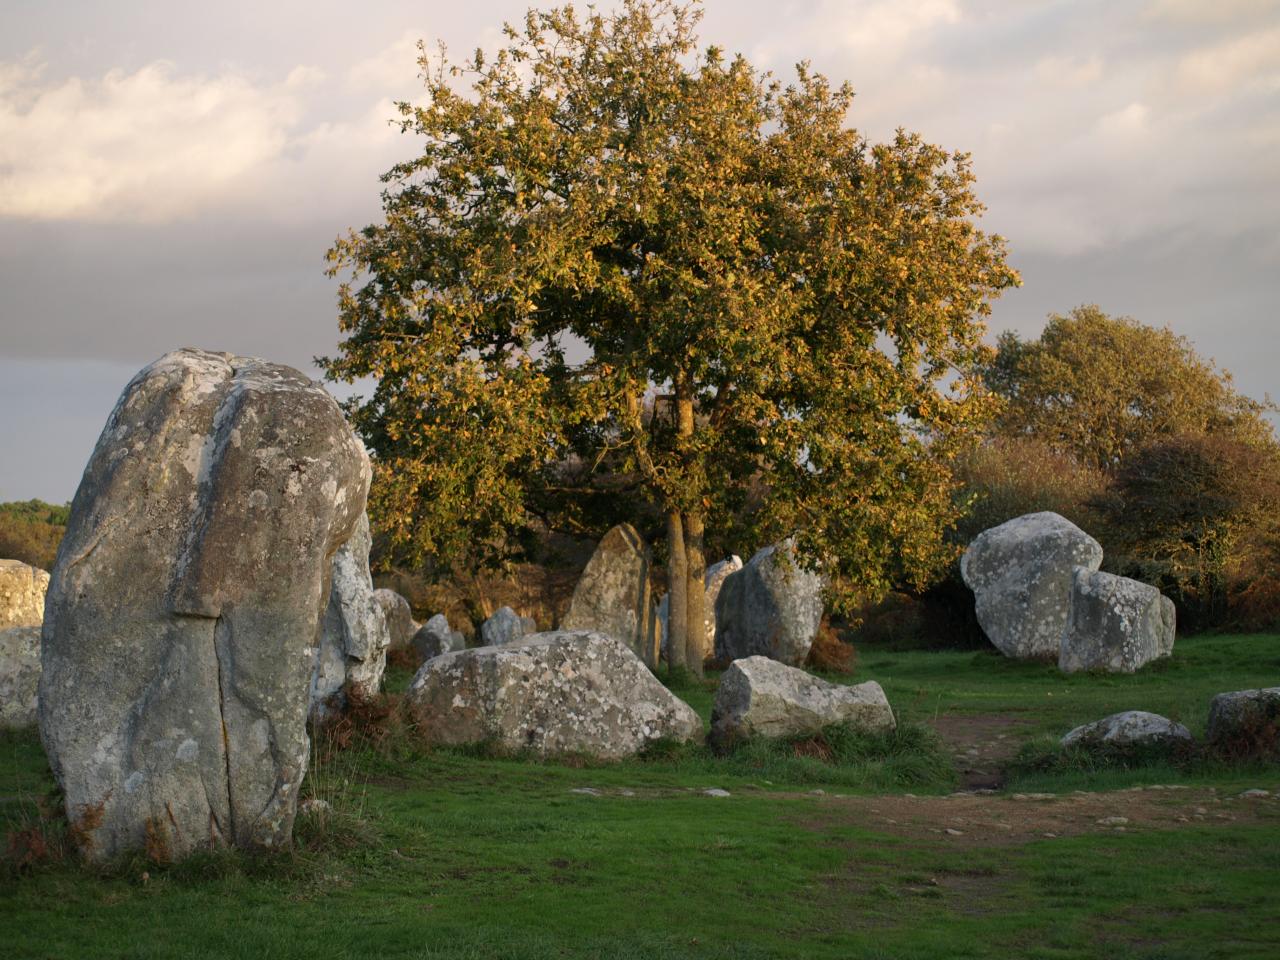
{"points": [[848, 847]]}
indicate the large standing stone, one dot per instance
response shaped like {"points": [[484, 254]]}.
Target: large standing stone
{"points": [[613, 595], [437, 637], [771, 607], [399, 617], [550, 693], [1245, 719], [505, 626], [19, 675], [712, 581], [1020, 573], [1114, 624], [22, 589], [184, 609], [353, 635], [759, 697], [1130, 728]]}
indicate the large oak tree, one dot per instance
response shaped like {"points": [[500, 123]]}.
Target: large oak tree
{"points": [[618, 251]]}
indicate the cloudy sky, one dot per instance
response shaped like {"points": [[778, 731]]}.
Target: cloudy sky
{"points": [[171, 173]]}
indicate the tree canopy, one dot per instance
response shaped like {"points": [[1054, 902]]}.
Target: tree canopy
{"points": [[1098, 387], [618, 252]]}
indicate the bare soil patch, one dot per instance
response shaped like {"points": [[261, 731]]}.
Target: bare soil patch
{"points": [[983, 744]]}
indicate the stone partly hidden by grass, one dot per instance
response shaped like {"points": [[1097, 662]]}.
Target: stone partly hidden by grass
{"points": [[833, 846]]}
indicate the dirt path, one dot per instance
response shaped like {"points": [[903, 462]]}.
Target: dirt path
{"points": [[981, 819], [982, 745]]}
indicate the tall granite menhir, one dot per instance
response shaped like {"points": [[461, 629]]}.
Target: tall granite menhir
{"points": [[185, 605]]}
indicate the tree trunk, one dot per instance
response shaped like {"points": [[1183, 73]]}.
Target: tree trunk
{"points": [[696, 595], [677, 585], [695, 560]]}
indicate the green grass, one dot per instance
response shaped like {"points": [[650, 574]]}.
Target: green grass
{"points": [[459, 854]]}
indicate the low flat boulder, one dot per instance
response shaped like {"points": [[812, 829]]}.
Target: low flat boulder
{"points": [[613, 595], [1020, 573], [1245, 719], [19, 675], [770, 608], [353, 634], [1130, 728], [399, 618], [556, 693], [760, 697], [436, 637], [1114, 624], [505, 626], [22, 590]]}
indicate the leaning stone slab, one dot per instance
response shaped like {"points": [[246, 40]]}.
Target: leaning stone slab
{"points": [[1114, 624], [759, 697], [1020, 573], [185, 605], [1130, 728], [1244, 716], [22, 590], [613, 594], [19, 675], [353, 635], [399, 617], [771, 607], [505, 626], [563, 692], [436, 637]]}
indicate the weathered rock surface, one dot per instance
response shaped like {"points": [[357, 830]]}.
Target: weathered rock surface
{"points": [[353, 634], [1132, 727], [1245, 717], [613, 594], [712, 581], [19, 675], [505, 626], [760, 697], [1020, 573], [771, 607], [436, 637], [1114, 624], [22, 589], [184, 609], [549, 693], [399, 617]]}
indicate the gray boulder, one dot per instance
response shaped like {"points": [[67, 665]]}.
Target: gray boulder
{"points": [[613, 594], [1130, 728], [353, 635], [1114, 624], [505, 626], [1020, 573], [712, 581], [22, 590], [399, 618], [1244, 716], [771, 607], [436, 638], [184, 610], [563, 692], [759, 697], [19, 675]]}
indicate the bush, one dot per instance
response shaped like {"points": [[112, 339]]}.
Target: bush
{"points": [[31, 530]]}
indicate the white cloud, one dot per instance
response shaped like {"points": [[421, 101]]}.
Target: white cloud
{"points": [[1244, 60], [148, 145]]}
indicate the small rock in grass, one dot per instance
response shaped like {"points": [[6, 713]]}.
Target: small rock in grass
{"points": [[952, 832], [586, 791], [715, 792], [1255, 794], [1113, 821]]}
